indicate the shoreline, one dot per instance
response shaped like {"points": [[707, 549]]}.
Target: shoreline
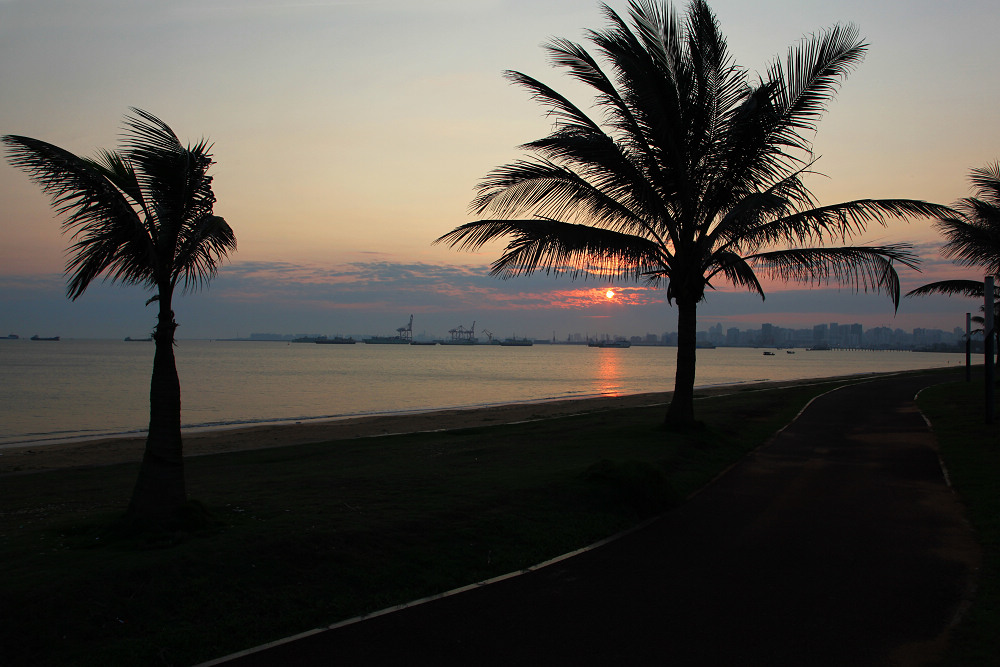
{"points": [[128, 448], [197, 429]]}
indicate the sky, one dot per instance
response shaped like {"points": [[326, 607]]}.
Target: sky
{"points": [[349, 135]]}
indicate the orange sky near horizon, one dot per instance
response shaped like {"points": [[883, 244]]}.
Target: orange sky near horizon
{"points": [[350, 135]]}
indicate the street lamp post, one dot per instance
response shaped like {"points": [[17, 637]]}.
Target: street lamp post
{"points": [[988, 345], [968, 347]]}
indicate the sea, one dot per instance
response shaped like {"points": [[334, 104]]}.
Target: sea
{"points": [[59, 391]]}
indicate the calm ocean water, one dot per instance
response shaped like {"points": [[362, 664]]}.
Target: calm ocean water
{"points": [[51, 391]]}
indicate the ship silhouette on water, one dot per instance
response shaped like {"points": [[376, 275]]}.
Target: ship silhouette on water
{"points": [[516, 342], [618, 343], [404, 336]]}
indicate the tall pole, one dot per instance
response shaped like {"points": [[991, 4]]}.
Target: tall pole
{"points": [[968, 347], [988, 340]]}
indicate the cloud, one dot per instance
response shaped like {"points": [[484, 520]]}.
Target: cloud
{"points": [[375, 294], [21, 288], [425, 287]]}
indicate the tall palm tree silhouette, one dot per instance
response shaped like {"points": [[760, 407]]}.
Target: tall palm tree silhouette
{"points": [[690, 174], [139, 216]]}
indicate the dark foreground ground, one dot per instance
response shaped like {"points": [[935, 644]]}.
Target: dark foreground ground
{"points": [[839, 543]]}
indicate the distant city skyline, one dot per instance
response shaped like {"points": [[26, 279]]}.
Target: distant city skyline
{"points": [[710, 330]]}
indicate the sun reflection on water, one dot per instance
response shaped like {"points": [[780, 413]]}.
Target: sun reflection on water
{"points": [[609, 371]]}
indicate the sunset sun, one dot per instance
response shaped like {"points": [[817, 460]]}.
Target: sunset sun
{"points": [[610, 294]]}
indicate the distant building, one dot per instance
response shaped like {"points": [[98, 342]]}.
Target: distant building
{"points": [[767, 334], [715, 336], [856, 334], [820, 334]]}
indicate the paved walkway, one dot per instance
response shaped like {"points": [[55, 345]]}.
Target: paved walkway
{"points": [[839, 543]]}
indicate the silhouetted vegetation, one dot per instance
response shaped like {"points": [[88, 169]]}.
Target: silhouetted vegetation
{"points": [[691, 174], [973, 235], [141, 216], [973, 240]]}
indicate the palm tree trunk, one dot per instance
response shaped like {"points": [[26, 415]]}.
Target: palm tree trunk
{"points": [[160, 491], [681, 409]]}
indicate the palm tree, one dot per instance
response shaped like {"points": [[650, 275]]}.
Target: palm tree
{"points": [[973, 240], [140, 216], [973, 235], [981, 321], [691, 174]]}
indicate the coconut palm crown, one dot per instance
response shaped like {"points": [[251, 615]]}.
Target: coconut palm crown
{"points": [[691, 173], [139, 216], [972, 236]]}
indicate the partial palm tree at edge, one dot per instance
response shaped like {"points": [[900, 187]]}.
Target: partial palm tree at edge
{"points": [[973, 239], [691, 174], [972, 233], [141, 216]]}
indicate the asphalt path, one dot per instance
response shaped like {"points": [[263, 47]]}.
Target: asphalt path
{"points": [[837, 543]]}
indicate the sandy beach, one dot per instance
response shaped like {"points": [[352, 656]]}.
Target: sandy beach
{"points": [[36, 458]]}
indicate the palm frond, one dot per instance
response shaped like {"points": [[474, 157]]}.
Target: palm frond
{"points": [[969, 288], [558, 247], [78, 189], [737, 271], [600, 162], [986, 183], [122, 253], [173, 176], [545, 190], [201, 247], [973, 240], [862, 268], [809, 78], [639, 85], [845, 220], [98, 213], [746, 222], [122, 175], [559, 107], [980, 212], [646, 110], [148, 135], [768, 133]]}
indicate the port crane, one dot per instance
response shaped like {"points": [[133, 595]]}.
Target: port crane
{"points": [[406, 333], [462, 335]]}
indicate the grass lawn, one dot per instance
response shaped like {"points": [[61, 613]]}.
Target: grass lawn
{"points": [[971, 451]]}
